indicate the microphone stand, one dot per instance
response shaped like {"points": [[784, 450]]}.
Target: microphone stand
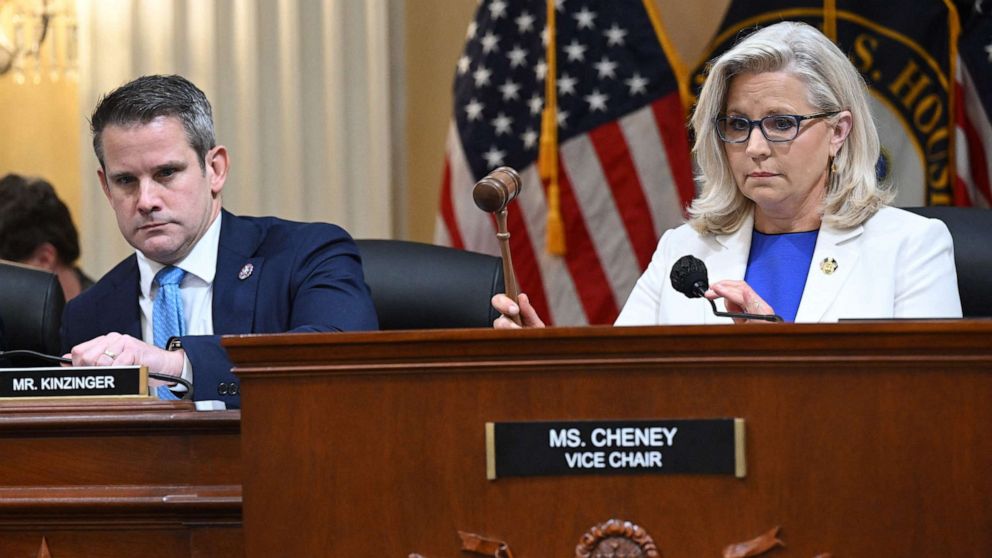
{"points": [[509, 278]]}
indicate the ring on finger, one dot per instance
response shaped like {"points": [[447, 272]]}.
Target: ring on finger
{"points": [[110, 354]]}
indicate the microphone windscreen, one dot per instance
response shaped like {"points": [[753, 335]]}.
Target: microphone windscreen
{"points": [[689, 276], [496, 189]]}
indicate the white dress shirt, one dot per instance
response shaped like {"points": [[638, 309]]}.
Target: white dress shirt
{"points": [[196, 289]]}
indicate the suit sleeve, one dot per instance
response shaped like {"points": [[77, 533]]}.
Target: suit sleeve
{"points": [[212, 376], [329, 290], [65, 330], [75, 327], [643, 306], [320, 271], [927, 284]]}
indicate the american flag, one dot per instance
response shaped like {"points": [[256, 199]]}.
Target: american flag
{"points": [[624, 168], [974, 107]]}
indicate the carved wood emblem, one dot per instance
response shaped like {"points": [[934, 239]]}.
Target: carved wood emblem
{"points": [[616, 539], [759, 545], [756, 546], [483, 545]]}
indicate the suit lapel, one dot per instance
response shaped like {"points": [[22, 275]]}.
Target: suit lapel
{"points": [[834, 258], [123, 318], [729, 260], [237, 278], [132, 312]]}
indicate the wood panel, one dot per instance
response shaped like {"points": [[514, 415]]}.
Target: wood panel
{"points": [[119, 478], [862, 439]]}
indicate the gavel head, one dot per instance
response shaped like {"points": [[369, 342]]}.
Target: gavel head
{"points": [[496, 190]]}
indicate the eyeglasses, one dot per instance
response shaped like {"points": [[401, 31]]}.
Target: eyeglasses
{"points": [[776, 128]]}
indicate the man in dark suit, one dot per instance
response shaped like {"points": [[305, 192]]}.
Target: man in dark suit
{"points": [[163, 173]]}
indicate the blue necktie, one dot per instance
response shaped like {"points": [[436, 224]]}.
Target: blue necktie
{"points": [[167, 314]]}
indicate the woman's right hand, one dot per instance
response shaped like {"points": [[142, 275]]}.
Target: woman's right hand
{"points": [[739, 297], [522, 309]]}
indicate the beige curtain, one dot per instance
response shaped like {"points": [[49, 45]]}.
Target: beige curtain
{"points": [[303, 93]]}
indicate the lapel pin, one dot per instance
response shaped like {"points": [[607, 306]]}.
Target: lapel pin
{"points": [[828, 265], [246, 271]]}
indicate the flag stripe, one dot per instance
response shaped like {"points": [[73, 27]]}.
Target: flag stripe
{"points": [[556, 286], [650, 160], [974, 124], [583, 259], [441, 235], [454, 237], [668, 116], [528, 274], [628, 193], [600, 216], [477, 231]]}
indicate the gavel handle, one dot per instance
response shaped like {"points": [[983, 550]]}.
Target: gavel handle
{"points": [[509, 278]]}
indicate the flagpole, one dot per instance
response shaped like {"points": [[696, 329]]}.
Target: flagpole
{"points": [[547, 160], [830, 19], [954, 33]]}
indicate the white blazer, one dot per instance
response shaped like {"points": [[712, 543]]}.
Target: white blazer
{"points": [[895, 265]]}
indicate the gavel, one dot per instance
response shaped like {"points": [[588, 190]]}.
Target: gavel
{"points": [[492, 194]]}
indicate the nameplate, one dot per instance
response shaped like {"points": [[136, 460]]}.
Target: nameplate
{"points": [[82, 381], [684, 446]]}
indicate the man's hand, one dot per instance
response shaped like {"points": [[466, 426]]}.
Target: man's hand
{"points": [[522, 308], [115, 349], [739, 297]]}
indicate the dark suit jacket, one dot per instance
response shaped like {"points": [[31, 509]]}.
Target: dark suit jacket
{"points": [[305, 277]]}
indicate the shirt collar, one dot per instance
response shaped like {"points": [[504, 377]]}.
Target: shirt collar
{"points": [[200, 262]]}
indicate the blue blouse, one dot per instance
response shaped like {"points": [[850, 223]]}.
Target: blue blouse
{"points": [[777, 269]]}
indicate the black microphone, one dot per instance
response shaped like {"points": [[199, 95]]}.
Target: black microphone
{"points": [[64, 360], [689, 277]]}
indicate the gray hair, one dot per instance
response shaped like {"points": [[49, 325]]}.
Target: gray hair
{"points": [[148, 97], [853, 192]]}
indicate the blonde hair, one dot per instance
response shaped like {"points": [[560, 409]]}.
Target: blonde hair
{"points": [[853, 192]]}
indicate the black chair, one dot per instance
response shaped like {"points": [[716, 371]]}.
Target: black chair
{"points": [[971, 229], [31, 303], [422, 286]]}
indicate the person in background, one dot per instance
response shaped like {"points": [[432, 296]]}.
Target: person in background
{"points": [[198, 271], [790, 218], [36, 229]]}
